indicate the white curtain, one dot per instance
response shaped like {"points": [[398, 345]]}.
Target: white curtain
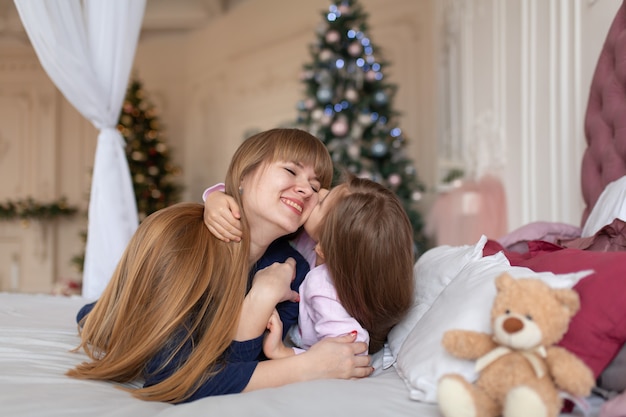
{"points": [[87, 47]]}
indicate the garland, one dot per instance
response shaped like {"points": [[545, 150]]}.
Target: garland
{"points": [[29, 209]]}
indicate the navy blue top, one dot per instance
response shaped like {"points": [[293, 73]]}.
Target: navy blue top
{"points": [[240, 359]]}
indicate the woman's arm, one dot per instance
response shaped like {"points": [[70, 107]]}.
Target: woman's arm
{"points": [[337, 357]]}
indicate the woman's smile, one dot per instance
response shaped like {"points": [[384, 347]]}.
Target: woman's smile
{"points": [[293, 203]]}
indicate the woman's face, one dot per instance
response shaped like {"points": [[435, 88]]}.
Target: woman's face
{"points": [[279, 196], [327, 200]]}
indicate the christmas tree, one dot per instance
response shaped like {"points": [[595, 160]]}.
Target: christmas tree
{"points": [[149, 161], [349, 106], [152, 171]]}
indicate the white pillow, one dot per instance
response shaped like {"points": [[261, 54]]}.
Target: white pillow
{"points": [[611, 205], [464, 304], [432, 272]]}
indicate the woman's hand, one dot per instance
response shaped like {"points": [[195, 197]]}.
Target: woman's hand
{"points": [[273, 345], [339, 357], [274, 282], [221, 216], [270, 286], [334, 357]]}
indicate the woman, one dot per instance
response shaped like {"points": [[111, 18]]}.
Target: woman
{"points": [[180, 310]]}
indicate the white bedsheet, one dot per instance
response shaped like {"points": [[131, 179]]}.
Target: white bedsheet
{"points": [[37, 333]]}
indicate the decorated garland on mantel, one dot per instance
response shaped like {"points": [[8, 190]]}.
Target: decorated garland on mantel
{"points": [[29, 209]]}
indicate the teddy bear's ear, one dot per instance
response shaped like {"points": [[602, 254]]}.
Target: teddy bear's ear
{"points": [[504, 281], [569, 298]]}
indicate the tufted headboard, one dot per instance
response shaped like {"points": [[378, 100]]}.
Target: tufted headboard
{"points": [[604, 160]]}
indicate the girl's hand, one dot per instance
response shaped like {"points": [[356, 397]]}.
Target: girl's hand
{"points": [[340, 357], [273, 345], [221, 216]]}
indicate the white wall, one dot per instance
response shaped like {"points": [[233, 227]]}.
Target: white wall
{"points": [[523, 69]]}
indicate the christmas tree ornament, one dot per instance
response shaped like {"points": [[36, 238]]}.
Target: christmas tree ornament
{"points": [[355, 49], [394, 180], [339, 127], [324, 95], [326, 55], [352, 95], [379, 149], [365, 118], [380, 98], [354, 151], [332, 36], [317, 114]]}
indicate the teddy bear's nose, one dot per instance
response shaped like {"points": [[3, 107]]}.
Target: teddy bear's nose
{"points": [[512, 325]]}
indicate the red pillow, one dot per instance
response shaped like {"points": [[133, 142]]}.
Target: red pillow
{"points": [[598, 330]]}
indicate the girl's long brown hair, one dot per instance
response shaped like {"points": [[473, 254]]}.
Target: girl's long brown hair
{"points": [[175, 275], [367, 242]]}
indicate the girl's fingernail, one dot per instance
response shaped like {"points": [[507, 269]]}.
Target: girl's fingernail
{"points": [[353, 333]]}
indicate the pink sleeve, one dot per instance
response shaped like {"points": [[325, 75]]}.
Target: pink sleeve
{"points": [[331, 319], [217, 187]]}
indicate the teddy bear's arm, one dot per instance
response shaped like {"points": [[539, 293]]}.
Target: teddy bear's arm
{"points": [[569, 372], [466, 344]]}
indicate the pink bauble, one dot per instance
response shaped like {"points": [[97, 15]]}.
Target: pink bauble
{"points": [[332, 36], [339, 128], [355, 49], [394, 180]]}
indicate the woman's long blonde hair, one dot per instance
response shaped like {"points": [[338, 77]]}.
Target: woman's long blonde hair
{"points": [[174, 275], [367, 242]]}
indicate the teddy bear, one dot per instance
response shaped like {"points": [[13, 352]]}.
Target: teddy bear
{"points": [[520, 370]]}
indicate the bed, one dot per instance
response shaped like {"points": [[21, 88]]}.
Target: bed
{"points": [[38, 332]]}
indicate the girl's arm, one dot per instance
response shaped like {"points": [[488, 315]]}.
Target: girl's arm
{"points": [[221, 214], [334, 320], [273, 346], [328, 317]]}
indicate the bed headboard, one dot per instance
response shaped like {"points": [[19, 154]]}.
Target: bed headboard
{"points": [[604, 160]]}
